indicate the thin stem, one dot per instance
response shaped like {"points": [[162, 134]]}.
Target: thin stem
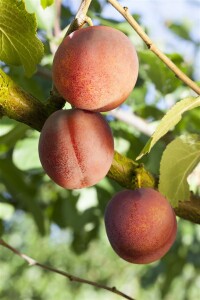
{"points": [[33, 262], [81, 17], [125, 12], [83, 9], [89, 21]]}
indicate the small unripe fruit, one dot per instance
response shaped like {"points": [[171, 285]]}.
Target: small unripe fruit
{"points": [[95, 68], [76, 148], [141, 225]]}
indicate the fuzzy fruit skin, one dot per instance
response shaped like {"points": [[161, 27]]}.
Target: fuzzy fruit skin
{"points": [[76, 148], [95, 68], [141, 225]]}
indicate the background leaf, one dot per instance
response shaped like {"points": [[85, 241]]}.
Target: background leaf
{"points": [[74, 219], [22, 191], [167, 123], [153, 68], [178, 160], [25, 159], [8, 140], [46, 3], [45, 17], [181, 30], [18, 42]]}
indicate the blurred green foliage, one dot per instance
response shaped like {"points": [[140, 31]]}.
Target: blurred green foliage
{"points": [[65, 228], [176, 276]]}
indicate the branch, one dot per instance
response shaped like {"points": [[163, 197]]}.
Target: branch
{"points": [[125, 13], [133, 120], [33, 262], [129, 173], [19, 105], [81, 17], [189, 210], [138, 123]]}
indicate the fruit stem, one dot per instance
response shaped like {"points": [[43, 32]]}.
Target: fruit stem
{"points": [[81, 17], [130, 174]]}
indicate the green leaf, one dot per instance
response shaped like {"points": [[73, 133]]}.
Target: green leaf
{"points": [[22, 191], [64, 213], [88, 226], [181, 30], [46, 3], [7, 124], [25, 154], [167, 123], [8, 140], [179, 159], [18, 42], [45, 17], [152, 68], [96, 6], [6, 211]]}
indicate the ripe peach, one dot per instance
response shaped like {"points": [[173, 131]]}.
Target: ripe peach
{"points": [[141, 225], [76, 148], [95, 68]]}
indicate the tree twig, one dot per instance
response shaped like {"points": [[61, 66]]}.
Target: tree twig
{"points": [[133, 120], [19, 105], [33, 262], [125, 12], [81, 17]]}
